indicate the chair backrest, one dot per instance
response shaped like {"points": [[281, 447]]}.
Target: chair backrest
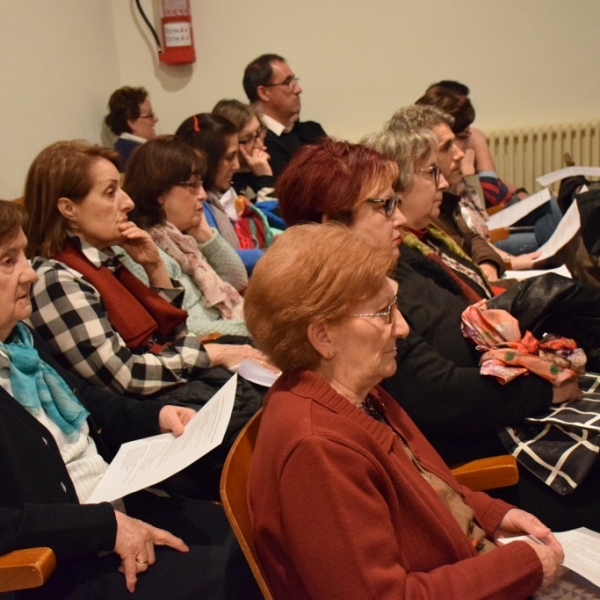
{"points": [[234, 483]]}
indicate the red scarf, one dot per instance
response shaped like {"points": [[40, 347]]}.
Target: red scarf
{"points": [[133, 309]]}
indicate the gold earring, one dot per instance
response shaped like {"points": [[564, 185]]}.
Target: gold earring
{"points": [[331, 353]]}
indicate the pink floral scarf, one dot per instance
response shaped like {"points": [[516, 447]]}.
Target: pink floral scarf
{"points": [[507, 355], [184, 249]]}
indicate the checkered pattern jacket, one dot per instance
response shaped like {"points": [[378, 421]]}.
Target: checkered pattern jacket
{"points": [[69, 314]]}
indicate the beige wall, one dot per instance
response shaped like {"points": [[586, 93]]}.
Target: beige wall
{"points": [[527, 62]]}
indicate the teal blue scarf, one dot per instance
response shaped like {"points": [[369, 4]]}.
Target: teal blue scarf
{"points": [[37, 385]]}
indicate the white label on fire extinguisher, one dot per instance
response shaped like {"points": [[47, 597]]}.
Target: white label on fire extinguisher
{"points": [[178, 34]]}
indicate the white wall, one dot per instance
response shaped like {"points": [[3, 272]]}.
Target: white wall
{"points": [[527, 62], [58, 61]]}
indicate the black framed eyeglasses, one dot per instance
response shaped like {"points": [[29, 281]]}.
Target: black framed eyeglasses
{"points": [[389, 204], [193, 186], [434, 171], [387, 312], [289, 82], [253, 137], [150, 116]]}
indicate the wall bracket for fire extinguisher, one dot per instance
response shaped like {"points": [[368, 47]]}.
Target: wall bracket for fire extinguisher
{"points": [[178, 39]]}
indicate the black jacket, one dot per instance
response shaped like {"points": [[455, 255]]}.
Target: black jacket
{"points": [[38, 503]]}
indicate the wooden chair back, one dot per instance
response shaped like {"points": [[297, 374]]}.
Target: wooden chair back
{"points": [[234, 484]]}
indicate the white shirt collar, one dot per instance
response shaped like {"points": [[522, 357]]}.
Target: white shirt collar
{"points": [[133, 138], [275, 126]]}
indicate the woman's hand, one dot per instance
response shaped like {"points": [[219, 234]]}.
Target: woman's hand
{"points": [[567, 391], [141, 247], [524, 261], [231, 355], [257, 161], [173, 419], [200, 229], [135, 545], [519, 522], [490, 271]]}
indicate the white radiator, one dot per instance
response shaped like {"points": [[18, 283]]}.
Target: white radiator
{"points": [[521, 155]]}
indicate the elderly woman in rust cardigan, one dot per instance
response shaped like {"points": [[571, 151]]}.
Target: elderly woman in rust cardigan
{"points": [[347, 498]]}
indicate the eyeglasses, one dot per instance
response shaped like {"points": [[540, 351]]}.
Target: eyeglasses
{"points": [[290, 82], [433, 170], [193, 186], [387, 312], [389, 204], [259, 135], [150, 116]]}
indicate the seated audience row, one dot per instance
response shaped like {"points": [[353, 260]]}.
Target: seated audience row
{"points": [[347, 499], [57, 432], [96, 316], [438, 381]]}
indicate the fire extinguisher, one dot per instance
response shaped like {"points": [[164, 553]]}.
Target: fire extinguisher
{"points": [[178, 37]]}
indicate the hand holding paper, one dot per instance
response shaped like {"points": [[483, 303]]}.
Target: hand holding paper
{"points": [[143, 463]]}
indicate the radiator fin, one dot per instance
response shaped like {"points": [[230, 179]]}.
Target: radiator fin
{"points": [[521, 155]]}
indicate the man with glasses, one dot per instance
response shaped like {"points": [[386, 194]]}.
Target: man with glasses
{"points": [[273, 88]]}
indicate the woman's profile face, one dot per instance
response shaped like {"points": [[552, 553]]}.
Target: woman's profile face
{"points": [[228, 164], [365, 346], [143, 126], [422, 198], [16, 277], [371, 223], [183, 204], [97, 217], [251, 138]]}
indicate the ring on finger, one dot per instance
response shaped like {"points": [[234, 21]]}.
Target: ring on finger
{"points": [[141, 562]]}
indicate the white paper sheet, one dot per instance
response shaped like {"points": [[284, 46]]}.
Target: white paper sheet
{"points": [[256, 373], [581, 547], [562, 270], [569, 225], [582, 552], [143, 463], [515, 212], [549, 178]]}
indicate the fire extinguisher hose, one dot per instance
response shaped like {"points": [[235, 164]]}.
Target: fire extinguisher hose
{"points": [[153, 31]]}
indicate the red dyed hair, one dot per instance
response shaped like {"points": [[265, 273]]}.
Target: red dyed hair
{"points": [[330, 179]]}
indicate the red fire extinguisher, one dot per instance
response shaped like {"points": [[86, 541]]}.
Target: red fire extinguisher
{"points": [[178, 38]]}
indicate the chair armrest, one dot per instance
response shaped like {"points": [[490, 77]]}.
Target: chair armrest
{"points": [[499, 234], [487, 473], [24, 569]]}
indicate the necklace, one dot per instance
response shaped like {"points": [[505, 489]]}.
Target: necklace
{"points": [[369, 407]]}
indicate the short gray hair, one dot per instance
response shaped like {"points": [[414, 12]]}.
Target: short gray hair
{"points": [[409, 149], [416, 117]]}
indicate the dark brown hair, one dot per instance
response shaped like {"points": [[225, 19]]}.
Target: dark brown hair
{"points": [[208, 133], [257, 73], [124, 105], [456, 105], [152, 170]]}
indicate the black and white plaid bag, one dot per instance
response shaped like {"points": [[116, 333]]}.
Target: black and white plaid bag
{"points": [[561, 446]]}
